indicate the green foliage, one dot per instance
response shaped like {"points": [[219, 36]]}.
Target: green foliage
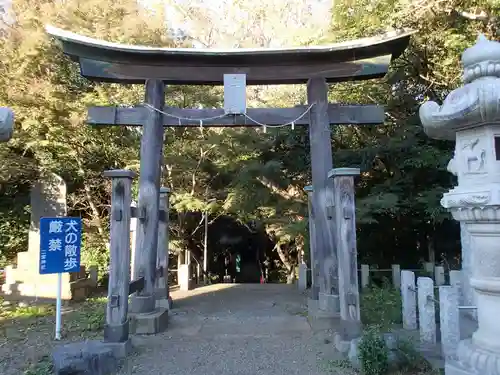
{"points": [[14, 224], [381, 307], [18, 312], [42, 367], [410, 359], [90, 317], [94, 252], [373, 353]]}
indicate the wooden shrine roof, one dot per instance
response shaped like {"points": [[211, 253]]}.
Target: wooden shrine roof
{"points": [[113, 62]]}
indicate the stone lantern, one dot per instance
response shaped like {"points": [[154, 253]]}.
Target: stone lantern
{"points": [[470, 115]]}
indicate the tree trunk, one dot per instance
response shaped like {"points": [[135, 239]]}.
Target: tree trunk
{"points": [[290, 279], [431, 250]]}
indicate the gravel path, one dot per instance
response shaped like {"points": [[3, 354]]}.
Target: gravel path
{"points": [[235, 329]]}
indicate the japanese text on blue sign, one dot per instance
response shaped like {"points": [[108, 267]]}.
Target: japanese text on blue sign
{"points": [[60, 244]]}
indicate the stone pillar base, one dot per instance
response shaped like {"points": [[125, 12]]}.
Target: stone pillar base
{"points": [[116, 333], [329, 304], [313, 310], [149, 323], [347, 347], [473, 360], [312, 307], [314, 292], [165, 303], [142, 304], [453, 367]]}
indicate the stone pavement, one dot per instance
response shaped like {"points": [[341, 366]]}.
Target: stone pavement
{"points": [[235, 329]]}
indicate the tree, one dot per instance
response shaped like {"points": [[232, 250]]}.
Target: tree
{"points": [[50, 99]]}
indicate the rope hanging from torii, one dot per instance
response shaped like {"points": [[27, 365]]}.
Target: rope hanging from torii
{"points": [[201, 120]]}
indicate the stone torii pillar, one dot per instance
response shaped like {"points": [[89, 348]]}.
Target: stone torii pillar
{"points": [[471, 116], [149, 319], [322, 197]]}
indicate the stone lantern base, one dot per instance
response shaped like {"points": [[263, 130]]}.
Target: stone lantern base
{"points": [[473, 360]]}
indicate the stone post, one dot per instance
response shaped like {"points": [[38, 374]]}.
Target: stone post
{"points": [[449, 320], [345, 220], [396, 275], [429, 267], [456, 281], [313, 257], [133, 236], [365, 276], [302, 282], [439, 276], [116, 329], [161, 283], [409, 300], [470, 115], [426, 310]]}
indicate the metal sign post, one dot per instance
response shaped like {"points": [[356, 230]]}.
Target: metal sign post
{"points": [[60, 249]]}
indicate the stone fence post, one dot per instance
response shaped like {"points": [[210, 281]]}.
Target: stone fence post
{"points": [[426, 310], [133, 236], [365, 276], [313, 257], [345, 220], [449, 320], [396, 275], [409, 300], [161, 283], [116, 329], [439, 275]]}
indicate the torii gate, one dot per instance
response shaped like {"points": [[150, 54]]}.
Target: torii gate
{"points": [[316, 65]]}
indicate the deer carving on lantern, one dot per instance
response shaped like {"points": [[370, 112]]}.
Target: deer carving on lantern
{"points": [[474, 157]]}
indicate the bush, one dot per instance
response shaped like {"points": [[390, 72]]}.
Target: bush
{"points": [[410, 359], [381, 306], [373, 353]]}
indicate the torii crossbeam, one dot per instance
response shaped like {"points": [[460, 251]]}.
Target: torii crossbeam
{"points": [[317, 65]]}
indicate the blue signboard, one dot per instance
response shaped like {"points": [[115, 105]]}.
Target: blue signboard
{"points": [[60, 244]]}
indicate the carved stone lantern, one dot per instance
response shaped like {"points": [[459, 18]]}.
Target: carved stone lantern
{"points": [[470, 115]]}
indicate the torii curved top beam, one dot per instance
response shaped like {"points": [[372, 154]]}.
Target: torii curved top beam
{"points": [[113, 62]]}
